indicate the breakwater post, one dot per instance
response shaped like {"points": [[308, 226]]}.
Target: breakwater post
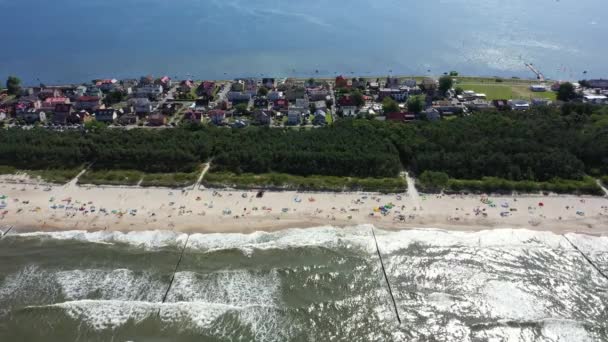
{"points": [[6, 232], [587, 258], [179, 261], [388, 284]]}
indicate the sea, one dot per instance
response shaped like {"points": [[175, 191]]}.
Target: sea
{"points": [[317, 284], [61, 41]]}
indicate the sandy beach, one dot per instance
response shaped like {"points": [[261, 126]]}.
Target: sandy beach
{"points": [[31, 206]]}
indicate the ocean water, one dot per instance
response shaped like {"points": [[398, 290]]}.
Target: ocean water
{"points": [[78, 40], [319, 284]]}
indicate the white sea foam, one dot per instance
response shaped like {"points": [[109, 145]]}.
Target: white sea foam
{"points": [[147, 239]]}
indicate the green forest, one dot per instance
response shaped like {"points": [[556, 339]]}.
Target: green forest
{"points": [[539, 145]]}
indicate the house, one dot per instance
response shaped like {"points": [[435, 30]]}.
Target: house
{"points": [[27, 91], [400, 116], [238, 86], [320, 105], [128, 119], [392, 83], [193, 116], [268, 83], [599, 84], [206, 88], [217, 116], [77, 118], [429, 84], [595, 99], [398, 94], [294, 117], [93, 91], [349, 110], [150, 91], [318, 94], [142, 106], [45, 93], [274, 95], [538, 88], [27, 102], [320, 118], [49, 103], [165, 82], [303, 103], [260, 102], [80, 91], [170, 108], [239, 96], [106, 115], [62, 112], [91, 103], [346, 100], [262, 117], [448, 107], [186, 86], [341, 82], [519, 105], [107, 85], [224, 105], [432, 114], [296, 92], [31, 116], [157, 120], [281, 104], [146, 80], [410, 83]]}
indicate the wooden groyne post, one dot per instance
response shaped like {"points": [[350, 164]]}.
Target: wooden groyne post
{"points": [[388, 284], [599, 270], [179, 261]]}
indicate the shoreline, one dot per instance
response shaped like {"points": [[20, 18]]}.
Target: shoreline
{"points": [[94, 208]]}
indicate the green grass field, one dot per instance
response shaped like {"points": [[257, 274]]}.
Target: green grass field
{"points": [[505, 90], [111, 177]]}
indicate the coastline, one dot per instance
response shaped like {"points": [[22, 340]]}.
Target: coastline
{"points": [[73, 207]]}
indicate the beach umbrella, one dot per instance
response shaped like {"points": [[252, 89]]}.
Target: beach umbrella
{"points": [[541, 204]]}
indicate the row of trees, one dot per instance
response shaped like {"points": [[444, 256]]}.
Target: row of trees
{"points": [[535, 146]]}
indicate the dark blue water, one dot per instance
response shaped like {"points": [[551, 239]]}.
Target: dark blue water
{"points": [[78, 40]]}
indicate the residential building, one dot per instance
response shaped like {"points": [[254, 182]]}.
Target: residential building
{"points": [[165, 81], [45, 93], [478, 104], [410, 83], [80, 91], [600, 84], [239, 96], [150, 91], [90, 103], [320, 118], [349, 110], [106, 115], [262, 117], [429, 84], [501, 104], [128, 119], [281, 104], [268, 83], [295, 92], [346, 100], [398, 94], [217, 116], [80, 117], [260, 102], [432, 114], [320, 105], [274, 95], [62, 112], [31, 116], [400, 116], [303, 103], [107, 85], [157, 120], [318, 94], [341, 82], [186, 86], [193, 116], [27, 102], [142, 106], [207, 87], [294, 117], [93, 91], [49, 103], [392, 83]]}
